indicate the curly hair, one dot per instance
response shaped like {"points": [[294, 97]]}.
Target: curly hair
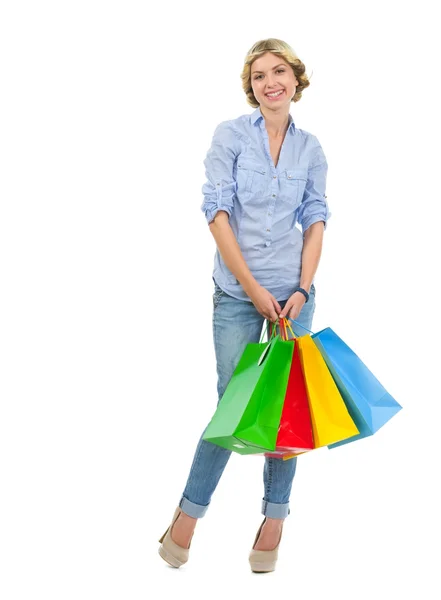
{"points": [[279, 48]]}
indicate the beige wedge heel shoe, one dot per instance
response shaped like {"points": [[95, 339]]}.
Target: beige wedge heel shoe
{"points": [[264, 561], [174, 555]]}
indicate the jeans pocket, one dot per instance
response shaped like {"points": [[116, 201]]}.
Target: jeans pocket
{"points": [[217, 295]]}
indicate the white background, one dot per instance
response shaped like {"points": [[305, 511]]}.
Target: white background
{"points": [[107, 366]]}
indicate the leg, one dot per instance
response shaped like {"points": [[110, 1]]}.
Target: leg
{"points": [[235, 324], [278, 474]]}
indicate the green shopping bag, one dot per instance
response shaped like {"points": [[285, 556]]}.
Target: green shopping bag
{"points": [[248, 415]]}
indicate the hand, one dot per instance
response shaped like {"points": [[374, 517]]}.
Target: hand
{"points": [[293, 306], [265, 303]]}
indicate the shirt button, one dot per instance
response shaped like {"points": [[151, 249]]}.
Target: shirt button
{"points": [[274, 176], [274, 195], [267, 243], [268, 229]]}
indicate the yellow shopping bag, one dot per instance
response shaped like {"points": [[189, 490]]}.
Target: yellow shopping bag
{"points": [[330, 419], [288, 456]]}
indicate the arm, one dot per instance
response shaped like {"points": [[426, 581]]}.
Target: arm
{"points": [[220, 187], [263, 300], [314, 207], [313, 215], [312, 250], [230, 251], [219, 194]]}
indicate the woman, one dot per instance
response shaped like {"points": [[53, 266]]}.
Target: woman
{"points": [[263, 175]]}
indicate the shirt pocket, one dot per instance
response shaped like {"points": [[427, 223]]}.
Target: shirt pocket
{"points": [[292, 185], [252, 178]]}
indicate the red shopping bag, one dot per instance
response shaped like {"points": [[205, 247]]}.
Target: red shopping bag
{"points": [[295, 429]]}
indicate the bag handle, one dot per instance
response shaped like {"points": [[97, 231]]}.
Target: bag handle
{"points": [[271, 329], [302, 326], [283, 325], [287, 323], [267, 349]]}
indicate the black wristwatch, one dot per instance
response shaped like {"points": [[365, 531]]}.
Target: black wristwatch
{"points": [[302, 291]]}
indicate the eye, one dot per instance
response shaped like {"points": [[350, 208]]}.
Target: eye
{"points": [[278, 71]]}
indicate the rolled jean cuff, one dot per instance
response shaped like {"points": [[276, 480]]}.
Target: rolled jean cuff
{"points": [[275, 511], [191, 509]]}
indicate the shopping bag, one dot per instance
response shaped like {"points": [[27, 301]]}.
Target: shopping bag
{"points": [[367, 401], [248, 415], [331, 421], [295, 428]]}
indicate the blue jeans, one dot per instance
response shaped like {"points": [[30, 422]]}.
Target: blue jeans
{"points": [[235, 324]]}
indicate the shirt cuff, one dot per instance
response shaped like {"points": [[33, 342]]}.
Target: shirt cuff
{"points": [[210, 213], [316, 219]]}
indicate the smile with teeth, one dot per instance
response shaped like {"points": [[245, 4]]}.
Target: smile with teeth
{"points": [[274, 94]]}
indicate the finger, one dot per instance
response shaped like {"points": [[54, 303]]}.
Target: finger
{"points": [[272, 315], [276, 305], [286, 310], [293, 313]]}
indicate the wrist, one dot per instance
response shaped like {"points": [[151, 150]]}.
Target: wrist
{"points": [[306, 286], [302, 291]]}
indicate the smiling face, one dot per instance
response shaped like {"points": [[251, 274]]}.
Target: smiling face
{"points": [[271, 73]]}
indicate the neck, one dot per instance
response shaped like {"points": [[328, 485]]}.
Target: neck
{"points": [[276, 123]]}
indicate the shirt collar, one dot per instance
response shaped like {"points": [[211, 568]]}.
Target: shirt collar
{"points": [[257, 115]]}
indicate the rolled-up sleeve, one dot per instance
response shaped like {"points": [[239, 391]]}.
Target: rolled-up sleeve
{"points": [[220, 187], [314, 206]]}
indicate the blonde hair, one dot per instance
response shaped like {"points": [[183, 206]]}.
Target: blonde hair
{"points": [[279, 48]]}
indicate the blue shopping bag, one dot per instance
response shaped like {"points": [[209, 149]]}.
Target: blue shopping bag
{"points": [[367, 401]]}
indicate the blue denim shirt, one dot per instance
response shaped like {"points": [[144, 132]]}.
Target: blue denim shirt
{"points": [[264, 202]]}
